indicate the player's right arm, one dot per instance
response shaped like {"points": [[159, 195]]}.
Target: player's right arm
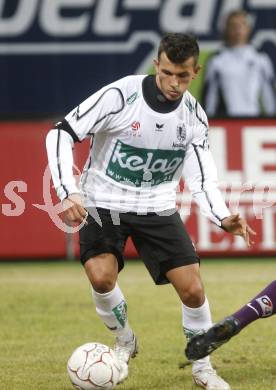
{"points": [[92, 116], [59, 146]]}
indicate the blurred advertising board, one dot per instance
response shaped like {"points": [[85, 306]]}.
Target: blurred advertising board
{"points": [[26, 231], [54, 53], [31, 227]]}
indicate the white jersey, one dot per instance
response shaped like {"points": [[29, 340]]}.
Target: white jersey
{"points": [[236, 80], [137, 155]]}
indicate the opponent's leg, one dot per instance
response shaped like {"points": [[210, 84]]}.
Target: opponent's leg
{"points": [[262, 306], [111, 306], [196, 318]]}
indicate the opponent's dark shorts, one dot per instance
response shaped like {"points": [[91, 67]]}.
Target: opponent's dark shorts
{"points": [[161, 240]]}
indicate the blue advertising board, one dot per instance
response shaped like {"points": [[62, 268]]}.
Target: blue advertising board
{"points": [[54, 53]]}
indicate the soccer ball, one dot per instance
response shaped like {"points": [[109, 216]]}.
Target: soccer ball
{"points": [[93, 366]]}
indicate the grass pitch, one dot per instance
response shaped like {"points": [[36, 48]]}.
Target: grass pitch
{"points": [[46, 312]]}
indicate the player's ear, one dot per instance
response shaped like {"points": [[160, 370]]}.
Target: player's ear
{"points": [[156, 65], [197, 69]]}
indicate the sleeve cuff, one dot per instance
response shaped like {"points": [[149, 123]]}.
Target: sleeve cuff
{"points": [[64, 191]]}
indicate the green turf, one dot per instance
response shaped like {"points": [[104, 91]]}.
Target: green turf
{"points": [[46, 312]]}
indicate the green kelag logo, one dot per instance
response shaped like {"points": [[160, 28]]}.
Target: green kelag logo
{"points": [[135, 165]]}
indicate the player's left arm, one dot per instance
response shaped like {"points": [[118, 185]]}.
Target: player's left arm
{"points": [[200, 174], [238, 226]]}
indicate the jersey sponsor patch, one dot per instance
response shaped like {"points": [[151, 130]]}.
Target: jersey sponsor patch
{"points": [[132, 165], [131, 99]]}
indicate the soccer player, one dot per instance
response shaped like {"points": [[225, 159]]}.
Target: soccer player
{"points": [[239, 78], [262, 306], [145, 131]]}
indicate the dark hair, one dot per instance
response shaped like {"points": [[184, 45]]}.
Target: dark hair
{"points": [[179, 47]]}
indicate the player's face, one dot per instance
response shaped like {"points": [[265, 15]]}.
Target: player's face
{"points": [[174, 79]]}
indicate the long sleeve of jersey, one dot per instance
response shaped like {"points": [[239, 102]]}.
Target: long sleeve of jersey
{"points": [[200, 175], [90, 117], [59, 146]]}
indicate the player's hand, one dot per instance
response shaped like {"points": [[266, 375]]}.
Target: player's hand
{"points": [[238, 226], [74, 210]]}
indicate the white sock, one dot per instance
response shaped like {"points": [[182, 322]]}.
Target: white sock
{"points": [[194, 320], [112, 309]]}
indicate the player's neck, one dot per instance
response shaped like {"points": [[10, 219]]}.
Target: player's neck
{"points": [[155, 98]]}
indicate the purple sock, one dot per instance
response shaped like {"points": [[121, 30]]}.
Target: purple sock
{"points": [[263, 305]]}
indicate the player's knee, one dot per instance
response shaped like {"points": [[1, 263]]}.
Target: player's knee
{"points": [[103, 282], [102, 274], [194, 295], [102, 279]]}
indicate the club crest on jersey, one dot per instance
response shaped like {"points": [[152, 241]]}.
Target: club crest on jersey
{"points": [[181, 132], [181, 136]]}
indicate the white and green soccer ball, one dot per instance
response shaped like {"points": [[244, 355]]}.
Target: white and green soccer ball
{"points": [[93, 366]]}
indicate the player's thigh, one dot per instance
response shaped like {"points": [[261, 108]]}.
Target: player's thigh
{"points": [[164, 244], [101, 247]]}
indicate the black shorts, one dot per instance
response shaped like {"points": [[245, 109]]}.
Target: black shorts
{"points": [[161, 241]]}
